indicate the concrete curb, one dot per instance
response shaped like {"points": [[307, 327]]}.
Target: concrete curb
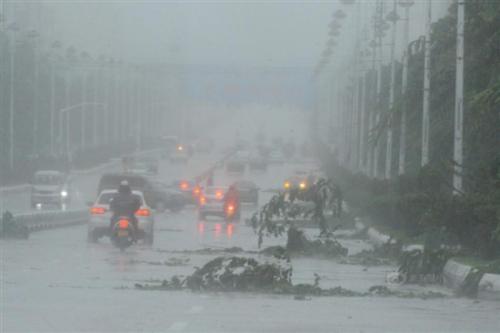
{"points": [[489, 287], [51, 219], [454, 273]]}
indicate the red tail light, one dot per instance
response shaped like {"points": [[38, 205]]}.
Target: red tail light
{"points": [[97, 210], [230, 208], [143, 212], [219, 194], [203, 200], [123, 224], [184, 186]]}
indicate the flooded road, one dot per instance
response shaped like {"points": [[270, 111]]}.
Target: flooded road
{"points": [[56, 281]]}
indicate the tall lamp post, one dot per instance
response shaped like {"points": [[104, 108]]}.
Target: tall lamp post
{"points": [[406, 4], [14, 28], [427, 85], [393, 18], [459, 100], [33, 34], [54, 47]]}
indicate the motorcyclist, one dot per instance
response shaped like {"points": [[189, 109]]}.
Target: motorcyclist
{"points": [[124, 203], [232, 196]]}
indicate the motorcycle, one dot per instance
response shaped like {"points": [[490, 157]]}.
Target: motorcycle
{"points": [[122, 234]]}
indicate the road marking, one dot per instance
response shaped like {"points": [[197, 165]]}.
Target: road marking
{"points": [[195, 309], [178, 326]]}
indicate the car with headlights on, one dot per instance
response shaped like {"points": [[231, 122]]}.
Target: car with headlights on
{"points": [[295, 183], [100, 218], [50, 187], [181, 154]]}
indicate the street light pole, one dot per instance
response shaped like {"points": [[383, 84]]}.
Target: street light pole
{"points": [[404, 84], [14, 29], [427, 83], [52, 128], [459, 92], [65, 113], [83, 119], [36, 75], [96, 97], [379, 89], [388, 154]]}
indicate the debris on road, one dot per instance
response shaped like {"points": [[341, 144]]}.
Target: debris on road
{"points": [[9, 228], [239, 274], [298, 243]]}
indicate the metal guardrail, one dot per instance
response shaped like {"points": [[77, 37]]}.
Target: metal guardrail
{"points": [[51, 219]]}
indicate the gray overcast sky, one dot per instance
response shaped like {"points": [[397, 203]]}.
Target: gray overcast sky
{"points": [[253, 33]]}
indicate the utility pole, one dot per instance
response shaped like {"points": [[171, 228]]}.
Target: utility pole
{"points": [[373, 96], [96, 100], [459, 97], [67, 98], [36, 74], [380, 16], [52, 128], [388, 155], [107, 93], [83, 123], [427, 84], [404, 86], [139, 102], [362, 136], [12, 96]]}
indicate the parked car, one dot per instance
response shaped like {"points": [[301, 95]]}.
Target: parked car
{"points": [[50, 187], [100, 218]]}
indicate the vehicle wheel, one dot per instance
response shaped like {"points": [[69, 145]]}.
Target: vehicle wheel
{"points": [[160, 207]]}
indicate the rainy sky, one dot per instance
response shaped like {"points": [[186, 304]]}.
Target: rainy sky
{"points": [[248, 33]]}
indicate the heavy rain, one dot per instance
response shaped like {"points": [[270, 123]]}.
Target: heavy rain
{"points": [[249, 166]]}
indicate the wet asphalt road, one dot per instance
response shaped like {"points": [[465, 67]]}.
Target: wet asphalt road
{"points": [[56, 281]]}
